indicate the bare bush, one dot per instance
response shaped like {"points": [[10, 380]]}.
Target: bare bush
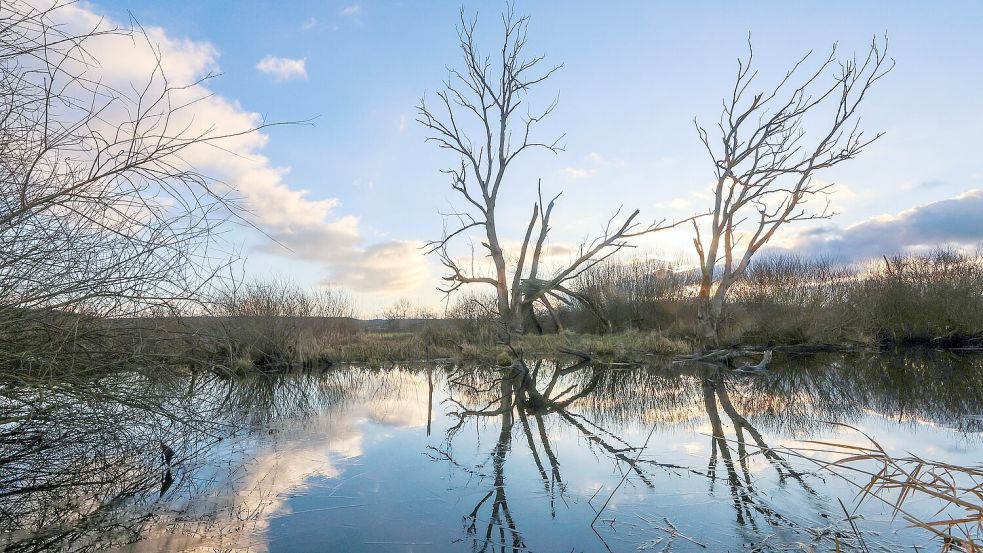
{"points": [[279, 324], [935, 297], [475, 318], [100, 215], [930, 298], [399, 311], [638, 294]]}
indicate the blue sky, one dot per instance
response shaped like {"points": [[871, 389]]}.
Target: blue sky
{"points": [[635, 74]]}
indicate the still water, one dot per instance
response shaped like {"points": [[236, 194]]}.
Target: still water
{"points": [[442, 458]]}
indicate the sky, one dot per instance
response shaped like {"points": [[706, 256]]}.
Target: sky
{"points": [[348, 197]]}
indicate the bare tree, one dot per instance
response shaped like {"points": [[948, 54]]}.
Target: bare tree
{"points": [[100, 214], [483, 116], [396, 313], [765, 164]]}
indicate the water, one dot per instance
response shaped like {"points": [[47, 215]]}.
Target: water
{"points": [[425, 458]]}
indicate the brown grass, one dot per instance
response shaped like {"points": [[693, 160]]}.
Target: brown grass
{"points": [[956, 491]]}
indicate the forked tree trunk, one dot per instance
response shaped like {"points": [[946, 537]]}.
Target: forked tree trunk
{"points": [[523, 319], [525, 387]]}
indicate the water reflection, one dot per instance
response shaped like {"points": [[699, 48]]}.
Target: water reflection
{"points": [[532, 396], [749, 504], [395, 460], [519, 397]]}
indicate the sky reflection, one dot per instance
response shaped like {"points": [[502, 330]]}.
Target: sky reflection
{"points": [[458, 459]]}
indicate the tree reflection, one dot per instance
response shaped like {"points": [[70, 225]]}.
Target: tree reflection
{"points": [[500, 517], [83, 465], [75, 458], [529, 397], [747, 501], [530, 405], [90, 465]]}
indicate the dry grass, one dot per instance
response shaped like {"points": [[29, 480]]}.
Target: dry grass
{"points": [[629, 346], [442, 341], [956, 492]]}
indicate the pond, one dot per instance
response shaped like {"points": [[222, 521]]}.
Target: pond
{"points": [[668, 457]]}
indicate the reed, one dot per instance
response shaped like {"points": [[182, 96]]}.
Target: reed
{"points": [[954, 492]]}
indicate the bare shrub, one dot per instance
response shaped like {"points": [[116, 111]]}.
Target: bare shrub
{"points": [[100, 215], [639, 294], [932, 298], [474, 317], [935, 297], [279, 324]]}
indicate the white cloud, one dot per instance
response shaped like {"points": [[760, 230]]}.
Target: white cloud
{"points": [[350, 11], [577, 173], [309, 24], [309, 227], [557, 251], [600, 160], [382, 268], [594, 161], [325, 444], [283, 69]]}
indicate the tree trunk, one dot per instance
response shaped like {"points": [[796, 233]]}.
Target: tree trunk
{"points": [[514, 323], [523, 319], [708, 321], [527, 316]]}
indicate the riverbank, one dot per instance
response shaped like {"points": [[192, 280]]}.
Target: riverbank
{"points": [[427, 343]]}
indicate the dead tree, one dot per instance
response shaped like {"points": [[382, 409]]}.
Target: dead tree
{"points": [[482, 114], [765, 163]]}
